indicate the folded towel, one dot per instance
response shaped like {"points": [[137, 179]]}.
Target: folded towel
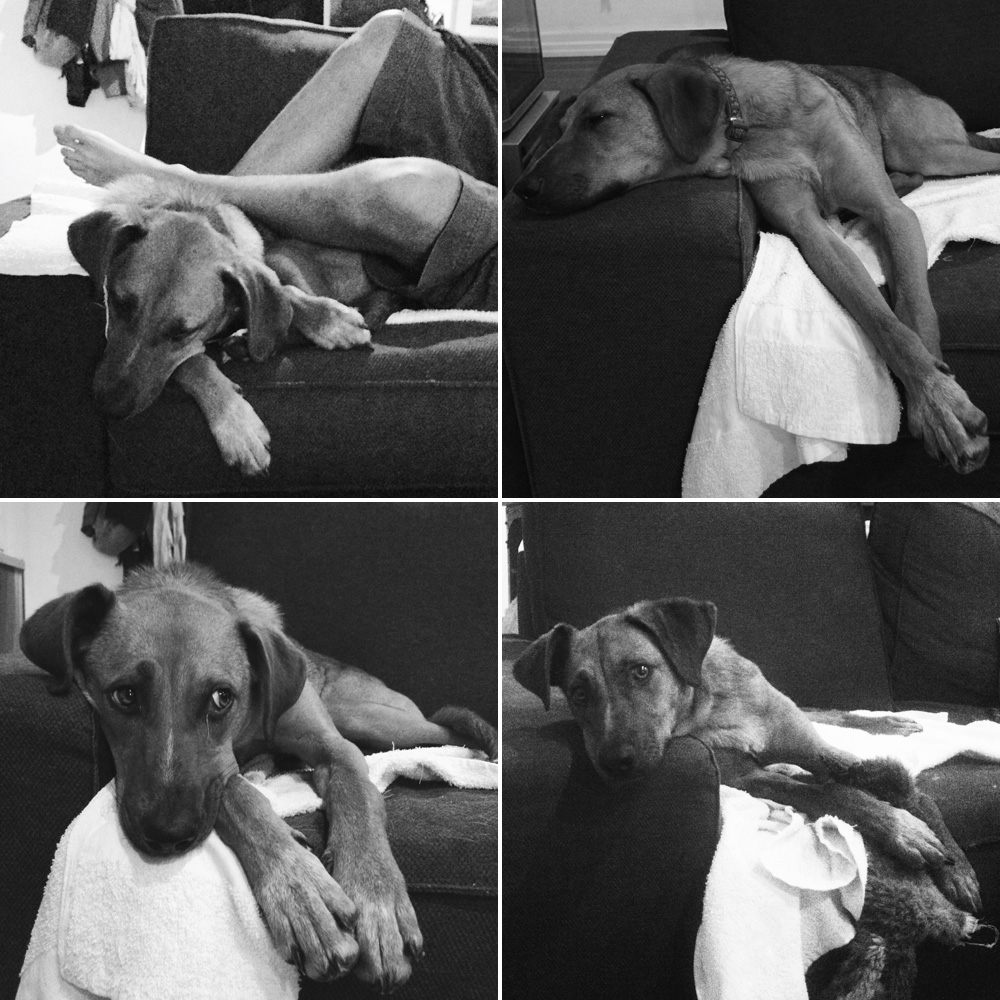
{"points": [[781, 892], [115, 924], [793, 379]]}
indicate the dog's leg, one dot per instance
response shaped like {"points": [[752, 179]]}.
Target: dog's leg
{"points": [[939, 411], [240, 434], [309, 915], [357, 853], [320, 319]]}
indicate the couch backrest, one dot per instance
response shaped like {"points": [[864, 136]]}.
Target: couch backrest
{"points": [[947, 49], [217, 80], [406, 591], [792, 583]]}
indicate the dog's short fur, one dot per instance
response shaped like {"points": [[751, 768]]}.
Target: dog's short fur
{"points": [[191, 679], [637, 679], [182, 271], [820, 140]]}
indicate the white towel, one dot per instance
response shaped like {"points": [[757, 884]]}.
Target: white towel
{"points": [[781, 892], [793, 379], [115, 924], [939, 741]]}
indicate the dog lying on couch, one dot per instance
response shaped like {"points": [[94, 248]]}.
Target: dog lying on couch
{"points": [[636, 679], [807, 141]]}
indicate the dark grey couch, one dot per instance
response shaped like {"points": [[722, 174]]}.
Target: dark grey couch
{"points": [[603, 886], [415, 417], [407, 591], [611, 314]]}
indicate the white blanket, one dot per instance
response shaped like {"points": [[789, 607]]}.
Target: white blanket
{"points": [[780, 889], [793, 379], [114, 924]]}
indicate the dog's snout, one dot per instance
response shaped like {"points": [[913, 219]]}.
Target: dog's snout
{"points": [[171, 838], [618, 763], [529, 187]]}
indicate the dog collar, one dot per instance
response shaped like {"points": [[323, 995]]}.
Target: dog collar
{"points": [[738, 127]]}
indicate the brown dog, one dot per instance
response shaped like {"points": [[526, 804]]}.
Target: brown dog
{"points": [[636, 679], [808, 141], [191, 679], [181, 272]]}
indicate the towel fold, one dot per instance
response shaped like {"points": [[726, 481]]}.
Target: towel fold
{"points": [[116, 924], [781, 892], [793, 379]]}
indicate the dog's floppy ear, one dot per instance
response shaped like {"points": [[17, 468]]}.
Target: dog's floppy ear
{"points": [[265, 306], [97, 238], [279, 668], [682, 630], [55, 636], [543, 664], [688, 99]]}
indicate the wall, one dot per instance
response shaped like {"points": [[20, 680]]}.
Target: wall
{"points": [[33, 100], [58, 557], [588, 27]]}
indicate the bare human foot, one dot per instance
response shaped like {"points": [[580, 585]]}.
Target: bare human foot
{"points": [[100, 160]]}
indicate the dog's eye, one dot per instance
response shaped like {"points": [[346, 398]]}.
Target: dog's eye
{"points": [[595, 119], [221, 701], [125, 698], [640, 672], [578, 696]]}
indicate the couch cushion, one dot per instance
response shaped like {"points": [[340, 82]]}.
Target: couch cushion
{"points": [[417, 416], [924, 42], [937, 572], [791, 581]]}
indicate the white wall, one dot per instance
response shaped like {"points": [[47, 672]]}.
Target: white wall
{"points": [[34, 95], [588, 27], [57, 556]]}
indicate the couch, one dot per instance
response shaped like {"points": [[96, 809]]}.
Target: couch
{"points": [[611, 314], [603, 885], [407, 591], [417, 416]]}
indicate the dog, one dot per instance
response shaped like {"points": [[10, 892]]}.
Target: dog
{"points": [[182, 272], [638, 678], [807, 141], [190, 679]]}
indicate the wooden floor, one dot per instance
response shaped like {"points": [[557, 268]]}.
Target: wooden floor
{"points": [[570, 74]]}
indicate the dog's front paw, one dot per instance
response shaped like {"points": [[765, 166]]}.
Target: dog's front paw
{"points": [[242, 437], [330, 324], [959, 885], [386, 928], [952, 428], [309, 915], [914, 843]]}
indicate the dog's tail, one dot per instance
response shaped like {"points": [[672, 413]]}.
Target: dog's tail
{"points": [[984, 142], [469, 726]]}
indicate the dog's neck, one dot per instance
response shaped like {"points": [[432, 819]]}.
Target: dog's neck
{"points": [[737, 126]]}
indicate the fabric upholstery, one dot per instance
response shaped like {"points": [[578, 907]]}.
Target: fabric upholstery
{"points": [[602, 886], [937, 573], [923, 42]]}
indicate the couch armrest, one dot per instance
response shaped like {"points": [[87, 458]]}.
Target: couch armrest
{"points": [[54, 441], [51, 767], [610, 319]]}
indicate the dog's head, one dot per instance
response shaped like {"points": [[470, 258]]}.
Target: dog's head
{"points": [[639, 124], [177, 667], [630, 678], [176, 274]]}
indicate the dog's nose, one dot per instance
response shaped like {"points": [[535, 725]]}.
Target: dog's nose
{"points": [[167, 840], [529, 187], [619, 765]]}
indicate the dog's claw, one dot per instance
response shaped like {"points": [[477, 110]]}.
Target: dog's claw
{"points": [[951, 427]]}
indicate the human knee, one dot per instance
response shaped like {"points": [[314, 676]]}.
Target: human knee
{"points": [[381, 30], [423, 189]]}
